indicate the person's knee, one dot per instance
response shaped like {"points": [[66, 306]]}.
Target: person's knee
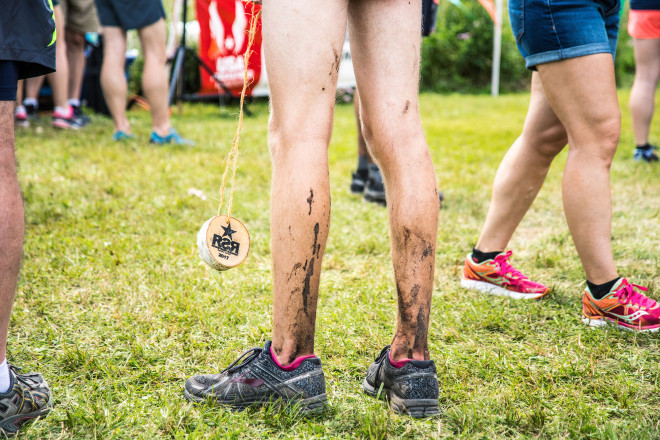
{"points": [[390, 142], [602, 141], [155, 57], [74, 39], [549, 142], [289, 140]]}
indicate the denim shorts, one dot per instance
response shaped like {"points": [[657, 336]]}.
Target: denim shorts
{"points": [[554, 30]]}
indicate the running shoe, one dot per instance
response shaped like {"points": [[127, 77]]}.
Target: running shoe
{"points": [[411, 388], [81, 117], [171, 138], [119, 136], [65, 120], [647, 154], [358, 181], [374, 190], [21, 117], [255, 379], [31, 111], [498, 277], [28, 397], [625, 307]]}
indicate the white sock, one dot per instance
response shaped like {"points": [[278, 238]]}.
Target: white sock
{"points": [[62, 110], [74, 102], [5, 381], [31, 101]]}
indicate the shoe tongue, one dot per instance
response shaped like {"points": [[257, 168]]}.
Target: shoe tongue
{"points": [[618, 285]]}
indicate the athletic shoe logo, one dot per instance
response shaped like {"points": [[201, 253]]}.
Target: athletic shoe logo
{"points": [[225, 243], [632, 317]]}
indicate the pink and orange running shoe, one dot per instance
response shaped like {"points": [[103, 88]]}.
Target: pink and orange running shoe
{"points": [[625, 307], [498, 277]]}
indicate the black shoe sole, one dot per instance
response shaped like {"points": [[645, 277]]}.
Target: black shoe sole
{"points": [[310, 405], [9, 429], [416, 408], [374, 196], [357, 189]]}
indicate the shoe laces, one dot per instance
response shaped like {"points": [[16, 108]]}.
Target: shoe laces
{"points": [[504, 267], [628, 295], [246, 358]]}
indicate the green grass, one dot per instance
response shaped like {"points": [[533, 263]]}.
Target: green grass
{"points": [[116, 308]]}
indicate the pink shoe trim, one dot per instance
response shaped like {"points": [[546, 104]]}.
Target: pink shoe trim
{"points": [[399, 363], [295, 364]]}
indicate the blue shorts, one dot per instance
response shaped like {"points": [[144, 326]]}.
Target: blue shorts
{"points": [[554, 30], [129, 14]]}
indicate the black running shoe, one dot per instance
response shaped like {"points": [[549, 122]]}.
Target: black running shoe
{"points": [[358, 181], [645, 153], [412, 389], [31, 111], [374, 191], [28, 398], [258, 381], [81, 118]]}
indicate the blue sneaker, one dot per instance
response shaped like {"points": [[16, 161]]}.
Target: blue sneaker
{"points": [[646, 153], [172, 138], [119, 136]]}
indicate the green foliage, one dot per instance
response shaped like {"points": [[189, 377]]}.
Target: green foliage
{"points": [[625, 55], [458, 57]]}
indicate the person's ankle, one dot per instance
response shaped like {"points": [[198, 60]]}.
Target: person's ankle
{"points": [[162, 131], [407, 352]]}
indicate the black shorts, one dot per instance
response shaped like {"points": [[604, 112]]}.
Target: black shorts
{"points": [[8, 80], [129, 14]]}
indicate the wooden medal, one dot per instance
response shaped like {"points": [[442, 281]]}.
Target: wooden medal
{"points": [[223, 242]]}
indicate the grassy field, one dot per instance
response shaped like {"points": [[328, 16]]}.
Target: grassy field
{"points": [[116, 308]]}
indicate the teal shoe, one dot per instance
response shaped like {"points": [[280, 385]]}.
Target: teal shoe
{"points": [[172, 138], [119, 136]]}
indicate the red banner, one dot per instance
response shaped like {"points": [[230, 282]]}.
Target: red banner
{"points": [[223, 37]]}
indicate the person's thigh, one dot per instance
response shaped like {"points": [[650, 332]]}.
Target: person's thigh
{"points": [[582, 93], [385, 47], [114, 47], [303, 42], [153, 40], [543, 130], [647, 59], [555, 30]]}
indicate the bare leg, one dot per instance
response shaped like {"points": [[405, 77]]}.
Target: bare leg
{"points": [[642, 94], [154, 75], [75, 50], [11, 221], [387, 73], [582, 92], [300, 126], [362, 144], [522, 171], [19, 92], [113, 80], [33, 85], [59, 80]]}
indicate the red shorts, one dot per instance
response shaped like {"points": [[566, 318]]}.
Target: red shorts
{"points": [[644, 24]]}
